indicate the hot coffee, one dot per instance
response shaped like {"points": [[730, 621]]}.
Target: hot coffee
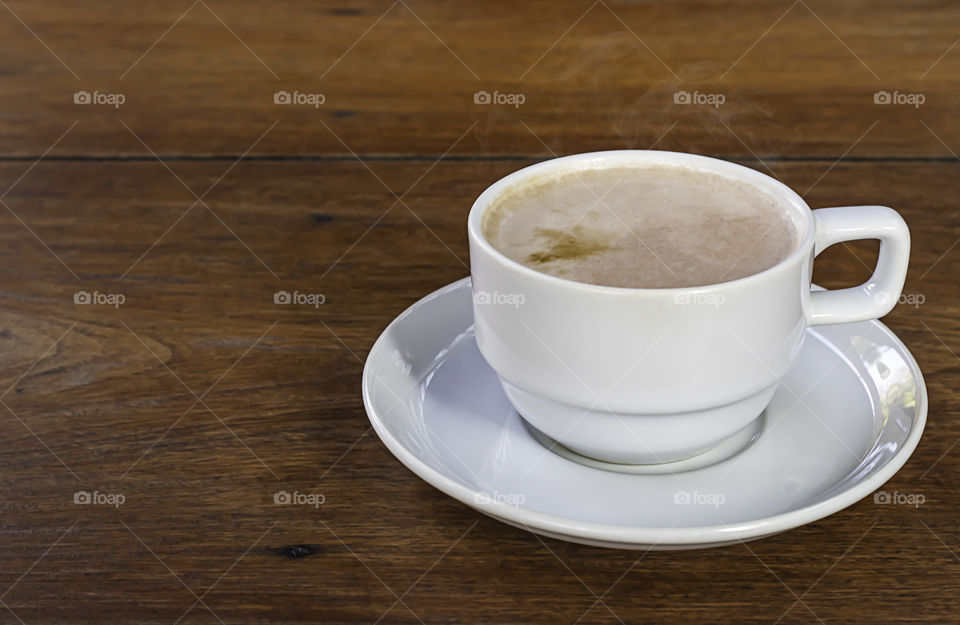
{"points": [[652, 226]]}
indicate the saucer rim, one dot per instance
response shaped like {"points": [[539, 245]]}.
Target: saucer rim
{"points": [[599, 532]]}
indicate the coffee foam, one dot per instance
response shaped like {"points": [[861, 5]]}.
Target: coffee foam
{"points": [[641, 227]]}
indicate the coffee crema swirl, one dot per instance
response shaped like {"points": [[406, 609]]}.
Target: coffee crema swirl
{"points": [[653, 226]]}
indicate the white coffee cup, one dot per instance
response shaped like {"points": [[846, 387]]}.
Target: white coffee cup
{"points": [[646, 376]]}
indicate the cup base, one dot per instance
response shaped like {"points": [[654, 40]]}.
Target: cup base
{"points": [[637, 439], [726, 449]]}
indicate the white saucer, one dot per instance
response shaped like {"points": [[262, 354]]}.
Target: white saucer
{"points": [[844, 420]]}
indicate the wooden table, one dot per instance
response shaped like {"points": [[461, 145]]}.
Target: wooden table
{"points": [[198, 197]]}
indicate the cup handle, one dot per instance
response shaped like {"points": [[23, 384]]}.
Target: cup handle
{"points": [[878, 295]]}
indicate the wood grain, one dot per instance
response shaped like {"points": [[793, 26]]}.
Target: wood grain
{"points": [[198, 398], [798, 79]]}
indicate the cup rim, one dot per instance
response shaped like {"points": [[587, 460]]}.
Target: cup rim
{"points": [[800, 212]]}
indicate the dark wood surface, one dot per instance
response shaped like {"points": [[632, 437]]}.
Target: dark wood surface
{"points": [[198, 398]]}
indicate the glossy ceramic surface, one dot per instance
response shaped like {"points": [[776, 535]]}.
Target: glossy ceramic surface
{"points": [[649, 376], [846, 417]]}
